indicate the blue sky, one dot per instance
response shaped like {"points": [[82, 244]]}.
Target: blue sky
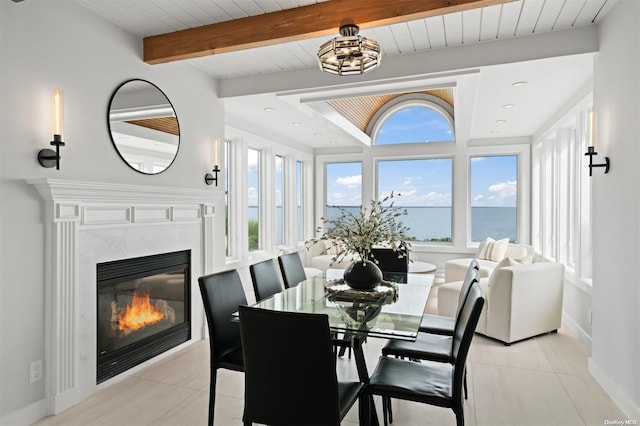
{"points": [[427, 182], [414, 124]]}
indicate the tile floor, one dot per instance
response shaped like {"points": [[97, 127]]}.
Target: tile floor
{"points": [[542, 381]]}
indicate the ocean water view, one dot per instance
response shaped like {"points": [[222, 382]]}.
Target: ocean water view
{"points": [[434, 223]]}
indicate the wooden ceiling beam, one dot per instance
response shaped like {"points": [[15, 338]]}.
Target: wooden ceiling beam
{"points": [[294, 24]]}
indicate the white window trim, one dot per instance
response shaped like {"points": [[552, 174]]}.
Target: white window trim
{"points": [[241, 141]]}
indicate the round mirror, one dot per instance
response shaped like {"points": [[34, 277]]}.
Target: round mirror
{"points": [[143, 126]]}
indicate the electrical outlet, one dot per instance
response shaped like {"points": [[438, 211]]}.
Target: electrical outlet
{"points": [[35, 371]]}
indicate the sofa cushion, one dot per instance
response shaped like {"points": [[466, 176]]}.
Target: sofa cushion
{"points": [[507, 261], [493, 250]]}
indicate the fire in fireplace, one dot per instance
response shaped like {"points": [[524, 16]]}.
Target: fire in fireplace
{"points": [[143, 309]]}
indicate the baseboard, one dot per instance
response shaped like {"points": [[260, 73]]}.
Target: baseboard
{"points": [[26, 415], [626, 404], [573, 326]]}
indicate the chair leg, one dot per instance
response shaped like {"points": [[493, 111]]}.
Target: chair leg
{"points": [[390, 411], [385, 410], [364, 413], [212, 395]]}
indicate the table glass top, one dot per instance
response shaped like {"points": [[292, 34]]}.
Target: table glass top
{"points": [[377, 316]]}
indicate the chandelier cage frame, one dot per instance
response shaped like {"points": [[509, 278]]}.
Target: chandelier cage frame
{"points": [[350, 54]]}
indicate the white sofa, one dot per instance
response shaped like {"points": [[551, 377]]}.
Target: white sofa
{"points": [[456, 269], [521, 301], [321, 256]]}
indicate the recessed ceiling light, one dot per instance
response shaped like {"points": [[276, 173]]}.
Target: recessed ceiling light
{"points": [[334, 143], [295, 123], [508, 106], [495, 132], [501, 121], [519, 83], [317, 134], [269, 109]]}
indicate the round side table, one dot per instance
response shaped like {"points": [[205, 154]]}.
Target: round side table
{"points": [[421, 267]]}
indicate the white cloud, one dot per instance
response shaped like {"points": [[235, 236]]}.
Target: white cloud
{"points": [[505, 190], [350, 181]]}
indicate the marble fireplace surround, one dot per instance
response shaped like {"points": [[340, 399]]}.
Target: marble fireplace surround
{"points": [[88, 223]]}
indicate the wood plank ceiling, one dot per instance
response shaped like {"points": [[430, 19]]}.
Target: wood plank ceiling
{"points": [[500, 21], [320, 19]]}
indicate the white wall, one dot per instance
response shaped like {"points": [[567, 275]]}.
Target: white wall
{"points": [[615, 358], [44, 45]]}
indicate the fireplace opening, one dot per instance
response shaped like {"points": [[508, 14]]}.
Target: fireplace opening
{"points": [[143, 309]]}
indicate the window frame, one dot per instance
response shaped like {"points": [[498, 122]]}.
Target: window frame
{"points": [[406, 101]]}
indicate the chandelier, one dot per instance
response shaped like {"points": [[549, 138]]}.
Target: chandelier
{"points": [[350, 54]]}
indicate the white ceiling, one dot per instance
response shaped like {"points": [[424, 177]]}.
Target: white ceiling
{"points": [[480, 91]]}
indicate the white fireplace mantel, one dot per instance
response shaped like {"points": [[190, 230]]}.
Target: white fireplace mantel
{"points": [[92, 222]]}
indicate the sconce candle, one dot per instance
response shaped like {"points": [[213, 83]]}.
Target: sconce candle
{"points": [[591, 120], [216, 147], [48, 157], [57, 112], [591, 136], [211, 178]]}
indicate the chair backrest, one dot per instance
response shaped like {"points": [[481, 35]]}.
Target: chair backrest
{"points": [[265, 278], [390, 260], [290, 375], [473, 275], [463, 333], [222, 294], [291, 269]]}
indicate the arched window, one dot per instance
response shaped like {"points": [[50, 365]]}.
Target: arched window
{"points": [[413, 118]]}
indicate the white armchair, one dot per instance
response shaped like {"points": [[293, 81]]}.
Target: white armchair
{"points": [[522, 301], [456, 269]]}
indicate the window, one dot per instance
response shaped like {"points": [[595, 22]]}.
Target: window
{"points": [[494, 197], [344, 187], [279, 189], [227, 148], [299, 193], [424, 188], [253, 198], [413, 118], [561, 201]]}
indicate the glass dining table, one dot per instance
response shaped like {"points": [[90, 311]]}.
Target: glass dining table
{"points": [[393, 310]]}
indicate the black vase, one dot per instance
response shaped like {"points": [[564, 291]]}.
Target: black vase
{"points": [[362, 275]]}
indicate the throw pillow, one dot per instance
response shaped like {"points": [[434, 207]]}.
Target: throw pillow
{"points": [[493, 250], [507, 261]]}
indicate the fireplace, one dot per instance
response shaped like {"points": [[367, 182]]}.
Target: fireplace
{"points": [[94, 223], [143, 309]]}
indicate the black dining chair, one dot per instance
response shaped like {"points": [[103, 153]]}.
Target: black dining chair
{"points": [[390, 260], [439, 384], [290, 372], [265, 278], [222, 294], [291, 269], [439, 324]]}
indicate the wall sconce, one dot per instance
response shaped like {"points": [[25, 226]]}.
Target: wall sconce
{"points": [[211, 178], [48, 157], [591, 150]]}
